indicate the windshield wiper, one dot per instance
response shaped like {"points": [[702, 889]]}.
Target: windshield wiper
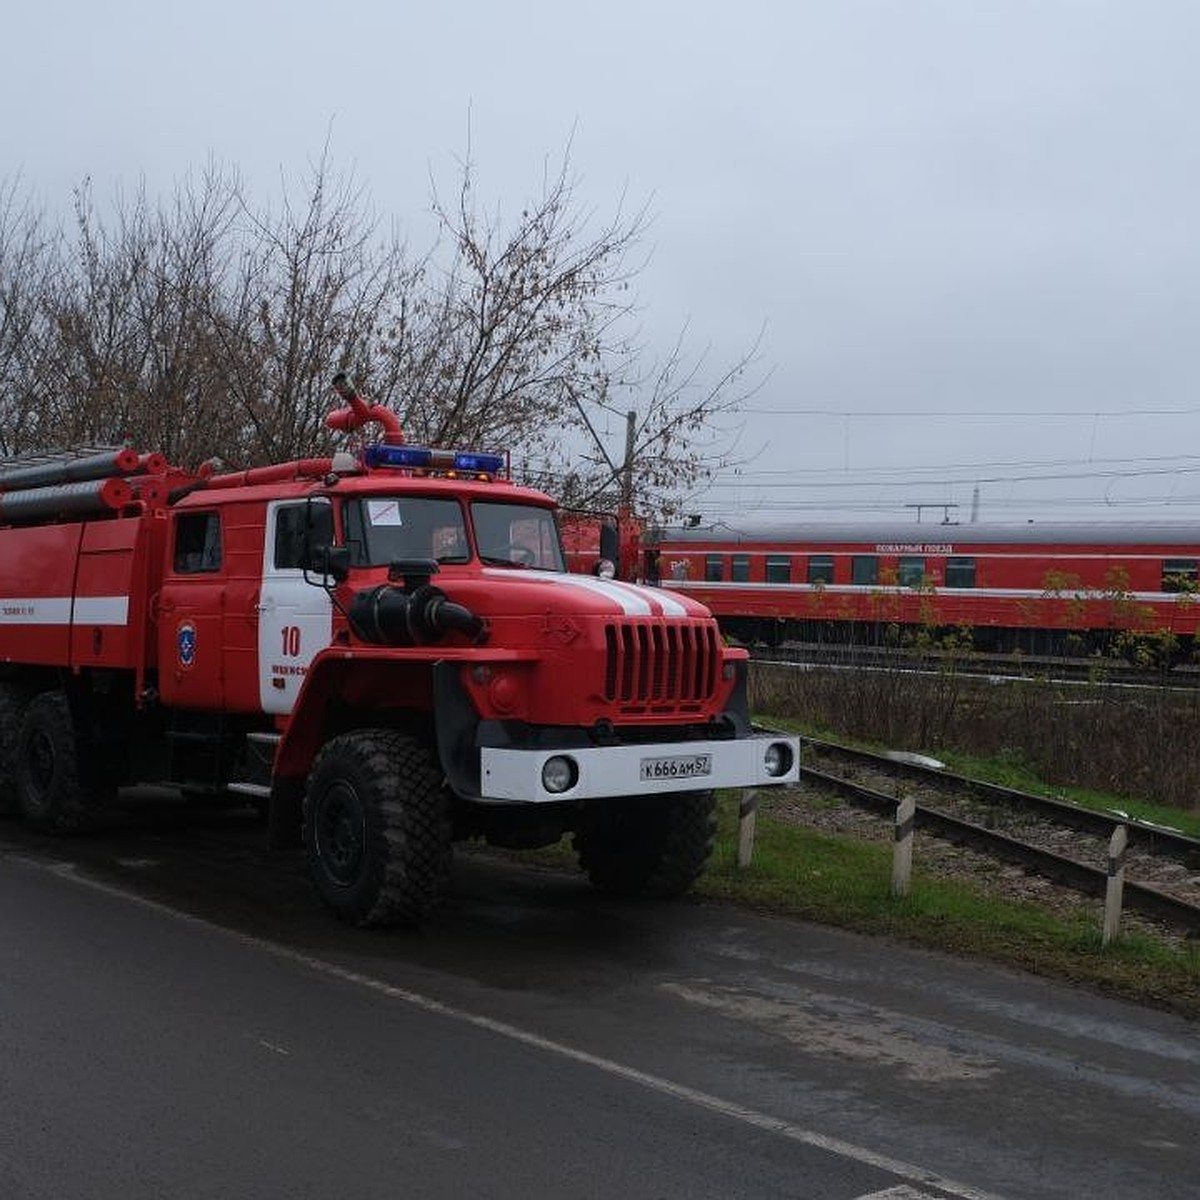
{"points": [[494, 560]]}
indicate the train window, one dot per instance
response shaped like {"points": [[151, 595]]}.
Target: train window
{"points": [[1179, 575], [864, 569], [820, 568], [779, 568], [714, 568], [740, 568], [960, 572], [910, 571]]}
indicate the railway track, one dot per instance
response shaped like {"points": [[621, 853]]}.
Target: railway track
{"points": [[1054, 839], [985, 666]]}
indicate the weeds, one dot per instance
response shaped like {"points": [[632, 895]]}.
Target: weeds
{"points": [[1142, 743]]}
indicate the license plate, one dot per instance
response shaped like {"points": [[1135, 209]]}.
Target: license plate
{"points": [[682, 766]]}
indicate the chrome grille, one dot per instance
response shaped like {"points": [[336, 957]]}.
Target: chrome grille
{"points": [[660, 664]]}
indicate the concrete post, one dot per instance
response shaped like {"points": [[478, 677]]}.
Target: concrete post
{"points": [[746, 818], [1116, 882], [902, 848]]}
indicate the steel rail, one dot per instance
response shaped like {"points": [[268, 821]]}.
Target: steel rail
{"points": [[1144, 898], [1155, 839], [981, 666]]}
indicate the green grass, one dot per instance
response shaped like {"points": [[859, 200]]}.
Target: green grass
{"points": [[844, 882], [1017, 775]]}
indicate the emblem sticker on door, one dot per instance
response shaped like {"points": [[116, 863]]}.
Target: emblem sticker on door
{"points": [[185, 644]]}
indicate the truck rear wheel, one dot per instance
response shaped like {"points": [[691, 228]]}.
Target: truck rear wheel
{"points": [[13, 701], [377, 828], [50, 785], [647, 845]]}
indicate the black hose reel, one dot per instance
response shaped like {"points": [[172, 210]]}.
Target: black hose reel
{"points": [[415, 614]]}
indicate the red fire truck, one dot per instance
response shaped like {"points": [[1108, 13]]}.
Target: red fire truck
{"points": [[383, 651]]}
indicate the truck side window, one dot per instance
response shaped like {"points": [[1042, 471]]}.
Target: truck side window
{"points": [[291, 532], [197, 543]]}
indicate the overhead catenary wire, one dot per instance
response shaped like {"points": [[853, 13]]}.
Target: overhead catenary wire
{"points": [[944, 414]]}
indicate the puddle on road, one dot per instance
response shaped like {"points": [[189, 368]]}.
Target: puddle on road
{"points": [[823, 1025]]}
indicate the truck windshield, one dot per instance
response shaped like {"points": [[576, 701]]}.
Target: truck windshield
{"points": [[381, 529], [517, 535]]}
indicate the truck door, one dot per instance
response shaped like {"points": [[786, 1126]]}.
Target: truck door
{"points": [[295, 616], [190, 658]]}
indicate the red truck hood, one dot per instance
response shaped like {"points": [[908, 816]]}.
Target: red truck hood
{"points": [[497, 591]]}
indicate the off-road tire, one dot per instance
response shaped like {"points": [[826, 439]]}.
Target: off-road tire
{"points": [[647, 845], [49, 776], [13, 701], [377, 828]]}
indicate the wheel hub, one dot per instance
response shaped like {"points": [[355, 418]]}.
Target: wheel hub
{"points": [[341, 833]]}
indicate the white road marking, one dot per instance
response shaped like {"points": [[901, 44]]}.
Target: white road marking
{"points": [[731, 1109], [903, 1192]]}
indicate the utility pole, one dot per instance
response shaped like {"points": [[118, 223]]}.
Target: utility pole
{"points": [[627, 465]]}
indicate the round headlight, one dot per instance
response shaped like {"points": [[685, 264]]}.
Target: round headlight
{"points": [[559, 774], [777, 759], [605, 569]]}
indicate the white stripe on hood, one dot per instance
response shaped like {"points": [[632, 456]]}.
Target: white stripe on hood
{"points": [[634, 600], [631, 599]]}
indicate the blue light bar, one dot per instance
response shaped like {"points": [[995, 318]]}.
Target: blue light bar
{"points": [[396, 456], [419, 457], [474, 460]]}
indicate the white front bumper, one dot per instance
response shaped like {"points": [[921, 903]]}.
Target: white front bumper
{"points": [[508, 775]]}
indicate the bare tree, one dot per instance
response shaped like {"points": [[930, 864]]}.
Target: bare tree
{"points": [[525, 339], [503, 332], [206, 327], [29, 270], [307, 300], [136, 354], [676, 434]]}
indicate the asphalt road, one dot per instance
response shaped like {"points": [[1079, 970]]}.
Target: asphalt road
{"points": [[180, 1018]]}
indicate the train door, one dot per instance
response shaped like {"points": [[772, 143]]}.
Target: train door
{"points": [[295, 616]]}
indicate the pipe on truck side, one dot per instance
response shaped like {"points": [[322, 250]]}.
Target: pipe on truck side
{"points": [[77, 470], [88, 498]]}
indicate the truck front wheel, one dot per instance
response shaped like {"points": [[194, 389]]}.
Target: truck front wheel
{"points": [[647, 845], [377, 828]]}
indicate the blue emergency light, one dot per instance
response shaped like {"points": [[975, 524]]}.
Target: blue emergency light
{"points": [[417, 458]]}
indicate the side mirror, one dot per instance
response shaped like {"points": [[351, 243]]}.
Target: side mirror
{"points": [[332, 562]]}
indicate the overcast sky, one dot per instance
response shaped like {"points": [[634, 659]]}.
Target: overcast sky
{"points": [[967, 227]]}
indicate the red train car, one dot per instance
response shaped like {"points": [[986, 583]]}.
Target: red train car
{"points": [[1040, 588]]}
